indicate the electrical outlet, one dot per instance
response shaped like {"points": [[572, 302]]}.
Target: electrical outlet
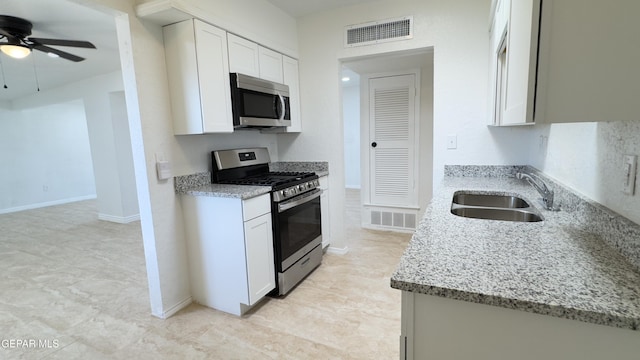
{"points": [[629, 173]]}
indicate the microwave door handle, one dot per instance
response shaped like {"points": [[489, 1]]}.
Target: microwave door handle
{"points": [[282, 107]]}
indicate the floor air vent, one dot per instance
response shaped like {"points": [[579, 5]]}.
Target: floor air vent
{"points": [[379, 31], [393, 219]]}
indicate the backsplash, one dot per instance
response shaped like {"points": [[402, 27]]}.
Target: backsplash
{"points": [[483, 170], [588, 158]]}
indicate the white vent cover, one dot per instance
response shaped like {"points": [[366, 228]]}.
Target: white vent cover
{"points": [[379, 31], [390, 219]]}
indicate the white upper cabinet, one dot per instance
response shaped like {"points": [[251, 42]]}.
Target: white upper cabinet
{"points": [[198, 74], [244, 56], [270, 65], [290, 77], [589, 57], [514, 52]]}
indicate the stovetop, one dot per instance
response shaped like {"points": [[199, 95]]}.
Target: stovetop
{"points": [[273, 179]]}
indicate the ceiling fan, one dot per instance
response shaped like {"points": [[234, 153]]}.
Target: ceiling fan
{"points": [[17, 44]]}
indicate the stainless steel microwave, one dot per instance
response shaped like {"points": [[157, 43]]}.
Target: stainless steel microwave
{"points": [[259, 103]]}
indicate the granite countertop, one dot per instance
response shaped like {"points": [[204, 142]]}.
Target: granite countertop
{"points": [[229, 191], [559, 267], [199, 184], [321, 168]]}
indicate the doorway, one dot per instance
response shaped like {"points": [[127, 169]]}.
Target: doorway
{"points": [[394, 128]]}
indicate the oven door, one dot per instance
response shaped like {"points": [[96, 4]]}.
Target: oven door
{"points": [[297, 228]]}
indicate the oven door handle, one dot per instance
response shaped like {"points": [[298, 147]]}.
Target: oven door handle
{"points": [[288, 205]]}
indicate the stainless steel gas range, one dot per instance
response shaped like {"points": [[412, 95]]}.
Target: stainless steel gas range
{"points": [[295, 209]]}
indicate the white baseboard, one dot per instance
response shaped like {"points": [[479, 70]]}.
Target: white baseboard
{"points": [[174, 309], [387, 228], [337, 250], [46, 204], [354, 187], [119, 219]]}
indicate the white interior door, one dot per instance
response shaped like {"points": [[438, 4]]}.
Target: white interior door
{"points": [[392, 140]]}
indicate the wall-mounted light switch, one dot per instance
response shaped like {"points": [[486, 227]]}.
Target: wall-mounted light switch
{"points": [[629, 172], [163, 168]]}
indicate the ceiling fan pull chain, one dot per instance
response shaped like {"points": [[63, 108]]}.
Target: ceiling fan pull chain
{"points": [[35, 72], [4, 81]]}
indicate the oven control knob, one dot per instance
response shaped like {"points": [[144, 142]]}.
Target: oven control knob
{"points": [[285, 193]]}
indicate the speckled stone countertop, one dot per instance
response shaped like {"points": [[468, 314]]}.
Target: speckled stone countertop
{"points": [[321, 168], [560, 267], [200, 185]]}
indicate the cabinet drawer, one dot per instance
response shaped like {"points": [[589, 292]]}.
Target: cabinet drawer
{"points": [[254, 207]]}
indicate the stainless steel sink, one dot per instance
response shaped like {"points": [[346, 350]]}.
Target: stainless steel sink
{"points": [[497, 214], [497, 201], [493, 207]]}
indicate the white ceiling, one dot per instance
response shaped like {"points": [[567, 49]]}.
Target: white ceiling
{"points": [[59, 19], [66, 19], [298, 8]]}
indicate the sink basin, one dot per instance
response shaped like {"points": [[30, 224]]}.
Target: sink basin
{"points": [[493, 201], [493, 213], [493, 207]]}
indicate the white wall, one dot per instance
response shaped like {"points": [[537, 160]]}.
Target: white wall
{"points": [[150, 125], [44, 156], [458, 32], [104, 113], [351, 116], [128, 197], [588, 157]]}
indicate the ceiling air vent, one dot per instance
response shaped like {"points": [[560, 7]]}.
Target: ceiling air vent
{"points": [[379, 31]]}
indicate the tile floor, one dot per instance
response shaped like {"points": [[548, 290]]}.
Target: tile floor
{"points": [[77, 287]]}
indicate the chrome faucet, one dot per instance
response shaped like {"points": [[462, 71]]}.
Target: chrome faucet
{"points": [[543, 189]]}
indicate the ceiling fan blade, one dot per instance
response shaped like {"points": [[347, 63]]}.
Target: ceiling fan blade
{"points": [[61, 42], [62, 54], [3, 32]]}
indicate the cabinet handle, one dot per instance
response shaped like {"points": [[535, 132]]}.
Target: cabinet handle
{"points": [[374, 144]]}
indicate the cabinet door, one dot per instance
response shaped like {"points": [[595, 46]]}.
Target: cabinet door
{"points": [[522, 54], [243, 56], [290, 77], [182, 74], [516, 64], [259, 255], [589, 56], [270, 65], [213, 75]]}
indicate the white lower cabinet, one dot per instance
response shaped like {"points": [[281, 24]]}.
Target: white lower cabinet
{"points": [[230, 251], [435, 327], [259, 254]]}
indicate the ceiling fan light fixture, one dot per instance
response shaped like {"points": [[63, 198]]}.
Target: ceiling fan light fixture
{"points": [[15, 51]]}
